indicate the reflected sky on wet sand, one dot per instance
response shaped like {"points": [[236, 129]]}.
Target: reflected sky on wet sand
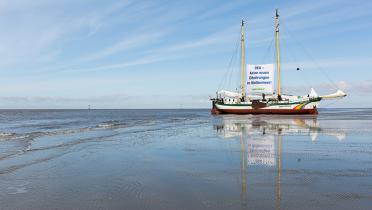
{"points": [[185, 159]]}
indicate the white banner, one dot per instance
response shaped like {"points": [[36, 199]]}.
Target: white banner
{"points": [[260, 79], [261, 150]]}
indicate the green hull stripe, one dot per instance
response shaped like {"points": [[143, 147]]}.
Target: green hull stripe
{"points": [[273, 104]]}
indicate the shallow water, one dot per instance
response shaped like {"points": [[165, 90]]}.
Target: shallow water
{"points": [[184, 159]]}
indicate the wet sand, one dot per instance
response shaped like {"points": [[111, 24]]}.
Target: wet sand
{"points": [[185, 159]]}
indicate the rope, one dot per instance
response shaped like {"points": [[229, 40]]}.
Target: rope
{"points": [[312, 59], [268, 50], [336, 100], [289, 51], [232, 71], [229, 66]]}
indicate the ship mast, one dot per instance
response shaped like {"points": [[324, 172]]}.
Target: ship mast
{"points": [[242, 57], [277, 50]]}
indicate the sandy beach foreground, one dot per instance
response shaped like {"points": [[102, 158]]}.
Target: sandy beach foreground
{"points": [[184, 159]]}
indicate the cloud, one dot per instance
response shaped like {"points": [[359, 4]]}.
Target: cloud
{"points": [[166, 52], [121, 65], [16, 5], [134, 42], [329, 63], [48, 99], [35, 30], [360, 87], [45, 44], [363, 87], [220, 9], [324, 13]]}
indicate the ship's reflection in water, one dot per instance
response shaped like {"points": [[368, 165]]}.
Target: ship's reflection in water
{"points": [[261, 143]]}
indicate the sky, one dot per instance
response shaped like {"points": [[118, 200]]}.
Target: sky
{"points": [[176, 54]]}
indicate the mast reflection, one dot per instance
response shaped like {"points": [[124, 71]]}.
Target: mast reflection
{"points": [[261, 141]]}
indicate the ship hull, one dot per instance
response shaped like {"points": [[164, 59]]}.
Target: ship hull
{"points": [[301, 108], [312, 111]]}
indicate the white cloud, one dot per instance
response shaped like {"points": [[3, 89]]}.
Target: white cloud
{"points": [[133, 42], [362, 87], [37, 29], [167, 52], [329, 63], [121, 65], [324, 13], [48, 99]]}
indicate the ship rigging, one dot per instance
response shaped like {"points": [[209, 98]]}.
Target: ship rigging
{"points": [[257, 93]]}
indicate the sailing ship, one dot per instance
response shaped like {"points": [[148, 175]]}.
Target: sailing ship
{"points": [[262, 98]]}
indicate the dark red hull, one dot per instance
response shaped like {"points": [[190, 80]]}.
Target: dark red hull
{"points": [[313, 111]]}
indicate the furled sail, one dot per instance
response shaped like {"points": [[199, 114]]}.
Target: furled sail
{"points": [[226, 93], [338, 94], [260, 79]]}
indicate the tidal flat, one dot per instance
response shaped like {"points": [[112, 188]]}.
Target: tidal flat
{"points": [[184, 159]]}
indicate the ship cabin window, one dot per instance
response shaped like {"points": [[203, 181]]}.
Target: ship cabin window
{"points": [[230, 100]]}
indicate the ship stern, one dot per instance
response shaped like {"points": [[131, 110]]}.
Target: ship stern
{"points": [[214, 109]]}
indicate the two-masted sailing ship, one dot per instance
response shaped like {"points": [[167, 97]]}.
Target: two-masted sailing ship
{"points": [[259, 97]]}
